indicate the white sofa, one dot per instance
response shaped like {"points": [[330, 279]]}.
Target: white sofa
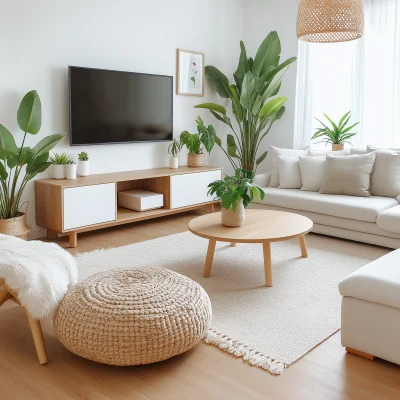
{"points": [[374, 220], [371, 309]]}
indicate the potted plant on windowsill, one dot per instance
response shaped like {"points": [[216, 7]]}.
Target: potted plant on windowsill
{"points": [[338, 135], [59, 162], [19, 165], [205, 136], [83, 166], [174, 149], [235, 193]]}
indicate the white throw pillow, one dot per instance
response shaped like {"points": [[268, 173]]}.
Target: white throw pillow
{"points": [[312, 171], [289, 173], [349, 175], [317, 153], [275, 152], [385, 179], [359, 150], [374, 148]]}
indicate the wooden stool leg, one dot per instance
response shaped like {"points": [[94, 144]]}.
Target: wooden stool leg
{"points": [[73, 239], [267, 264], [303, 246], [209, 258], [360, 353], [38, 339]]}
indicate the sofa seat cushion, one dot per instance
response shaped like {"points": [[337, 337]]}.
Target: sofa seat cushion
{"points": [[351, 207], [389, 220], [377, 282]]}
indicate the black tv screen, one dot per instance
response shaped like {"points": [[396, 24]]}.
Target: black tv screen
{"points": [[119, 107]]}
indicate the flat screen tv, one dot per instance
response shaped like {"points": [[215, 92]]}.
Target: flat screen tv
{"points": [[119, 107]]}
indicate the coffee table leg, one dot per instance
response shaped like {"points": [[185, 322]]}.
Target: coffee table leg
{"points": [[209, 258], [233, 244], [267, 264], [303, 246]]}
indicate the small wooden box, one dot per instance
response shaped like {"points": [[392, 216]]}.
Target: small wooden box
{"points": [[140, 200]]}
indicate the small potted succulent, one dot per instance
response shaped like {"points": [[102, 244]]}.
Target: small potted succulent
{"points": [[235, 193], [59, 162], [338, 135], [70, 169], [174, 149], [83, 167], [194, 142]]}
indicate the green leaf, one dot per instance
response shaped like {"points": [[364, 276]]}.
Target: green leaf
{"points": [[272, 107], [274, 71], [46, 144], [218, 81], [249, 92], [256, 105], [191, 141], [213, 107], [232, 148], [218, 141], [343, 118], [261, 158], [5, 154], [275, 84], [243, 66], [7, 141], [236, 106], [208, 138], [3, 172], [228, 199], [37, 169], [29, 114], [268, 54]]}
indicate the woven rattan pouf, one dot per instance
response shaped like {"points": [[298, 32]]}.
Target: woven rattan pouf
{"points": [[133, 316]]}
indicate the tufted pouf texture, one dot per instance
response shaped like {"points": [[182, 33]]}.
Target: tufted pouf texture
{"points": [[133, 316]]}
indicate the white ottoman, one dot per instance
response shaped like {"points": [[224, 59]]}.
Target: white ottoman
{"points": [[371, 309]]}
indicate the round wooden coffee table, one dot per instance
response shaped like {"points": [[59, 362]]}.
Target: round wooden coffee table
{"points": [[261, 226]]}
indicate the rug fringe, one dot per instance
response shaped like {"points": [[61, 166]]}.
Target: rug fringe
{"points": [[248, 354]]}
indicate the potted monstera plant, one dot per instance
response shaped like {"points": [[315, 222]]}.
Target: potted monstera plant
{"points": [[20, 164]]}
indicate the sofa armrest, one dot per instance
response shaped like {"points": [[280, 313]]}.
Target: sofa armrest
{"points": [[398, 198], [262, 179]]}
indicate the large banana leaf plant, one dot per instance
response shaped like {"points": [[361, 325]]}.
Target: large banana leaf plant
{"points": [[18, 165], [254, 105]]}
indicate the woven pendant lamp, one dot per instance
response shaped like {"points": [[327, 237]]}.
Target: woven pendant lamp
{"points": [[325, 21]]}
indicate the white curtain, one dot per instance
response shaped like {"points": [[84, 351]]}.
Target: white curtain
{"points": [[361, 76]]}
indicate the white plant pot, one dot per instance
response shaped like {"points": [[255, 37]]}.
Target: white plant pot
{"points": [[83, 168], [59, 171], [233, 219], [173, 162], [70, 171]]}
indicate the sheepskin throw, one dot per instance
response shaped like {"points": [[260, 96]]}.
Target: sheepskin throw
{"points": [[40, 273]]}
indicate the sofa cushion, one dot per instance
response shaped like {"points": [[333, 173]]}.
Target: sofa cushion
{"points": [[385, 180], [351, 207], [262, 179], [275, 152], [312, 171], [289, 173], [377, 282], [349, 175], [389, 220], [318, 153]]}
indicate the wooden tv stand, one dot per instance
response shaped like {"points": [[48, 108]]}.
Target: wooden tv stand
{"points": [[88, 203]]}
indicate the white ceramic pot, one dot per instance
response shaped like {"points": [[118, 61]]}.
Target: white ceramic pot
{"points": [[83, 168], [233, 219], [173, 162], [59, 171], [70, 171]]}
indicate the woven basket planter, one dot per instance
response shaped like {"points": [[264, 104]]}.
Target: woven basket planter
{"points": [[195, 160], [16, 226], [133, 316], [337, 147], [233, 219]]}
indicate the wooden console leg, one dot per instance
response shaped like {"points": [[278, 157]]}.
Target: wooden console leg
{"points": [[360, 353], [51, 234], [212, 209], [209, 258], [38, 339], [303, 246], [267, 264], [73, 239]]}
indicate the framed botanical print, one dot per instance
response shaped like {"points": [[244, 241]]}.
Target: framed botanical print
{"points": [[189, 73]]}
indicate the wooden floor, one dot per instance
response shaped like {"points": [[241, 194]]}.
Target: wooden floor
{"points": [[205, 372]]}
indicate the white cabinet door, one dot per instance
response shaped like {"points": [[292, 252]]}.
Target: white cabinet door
{"points": [[89, 205], [190, 189]]}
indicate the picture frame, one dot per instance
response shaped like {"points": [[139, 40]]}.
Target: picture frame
{"points": [[190, 74]]}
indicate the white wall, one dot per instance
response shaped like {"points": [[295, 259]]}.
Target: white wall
{"points": [[39, 39]]}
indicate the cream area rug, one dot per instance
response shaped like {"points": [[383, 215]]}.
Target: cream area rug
{"points": [[269, 327]]}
